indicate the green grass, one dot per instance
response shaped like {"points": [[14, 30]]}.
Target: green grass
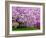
{"points": [[23, 28]]}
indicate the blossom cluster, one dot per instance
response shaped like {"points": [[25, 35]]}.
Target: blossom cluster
{"points": [[28, 15]]}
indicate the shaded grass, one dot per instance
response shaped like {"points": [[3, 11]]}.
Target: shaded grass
{"points": [[23, 28]]}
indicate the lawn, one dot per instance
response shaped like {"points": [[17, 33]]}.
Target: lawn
{"points": [[23, 28]]}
